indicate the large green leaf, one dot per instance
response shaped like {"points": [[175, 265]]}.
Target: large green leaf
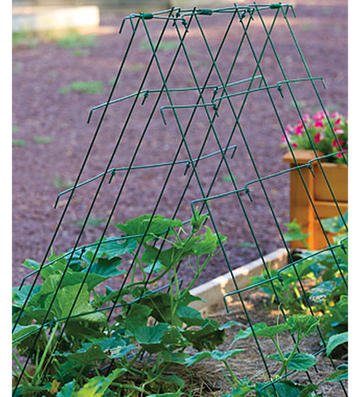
{"points": [[208, 244], [98, 385], [284, 388], [335, 341], [208, 337], [21, 332], [87, 354], [190, 316], [137, 316], [214, 354], [112, 247], [168, 258], [66, 297], [67, 389], [160, 303], [115, 346], [299, 361], [150, 337], [245, 333], [304, 324], [340, 374], [158, 225], [262, 329], [19, 296]]}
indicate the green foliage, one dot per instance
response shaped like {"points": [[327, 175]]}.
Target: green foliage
{"points": [[295, 233], [85, 87], [77, 40], [43, 139], [18, 142], [157, 324], [68, 293], [327, 273]]}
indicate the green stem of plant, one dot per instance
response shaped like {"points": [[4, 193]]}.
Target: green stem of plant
{"points": [[40, 368], [153, 379], [198, 273], [131, 387], [20, 366], [231, 373], [284, 361]]}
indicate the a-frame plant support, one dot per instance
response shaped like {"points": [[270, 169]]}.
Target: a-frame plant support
{"points": [[181, 88]]}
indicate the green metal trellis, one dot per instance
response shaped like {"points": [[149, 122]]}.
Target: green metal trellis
{"points": [[213, 94]]}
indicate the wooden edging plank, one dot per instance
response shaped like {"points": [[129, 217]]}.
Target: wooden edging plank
{"points": [[213, 291]]}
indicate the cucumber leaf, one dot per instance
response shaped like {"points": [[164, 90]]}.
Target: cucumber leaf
{"points": [[153, 227], [215, 355], [335, 341]]}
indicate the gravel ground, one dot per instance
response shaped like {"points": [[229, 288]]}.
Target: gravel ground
{"points": [[52, 136]]}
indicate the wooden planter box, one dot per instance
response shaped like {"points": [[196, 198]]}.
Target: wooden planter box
{"points": [[300, 205]]}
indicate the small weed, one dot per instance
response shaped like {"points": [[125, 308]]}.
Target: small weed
{"points": [[61, 183], [15, 128], [86, 87], [77, 40], [18, 142], [24, 39], [80, 52], [164, 45], [43, 139], [300, 104], [246, 244], [229, 178], [90, 222]]}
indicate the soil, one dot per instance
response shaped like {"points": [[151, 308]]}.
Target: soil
{"points": [[209, 379], [44, 167]]}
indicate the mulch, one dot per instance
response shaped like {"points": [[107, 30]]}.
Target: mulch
{"points": [[43, 168], [208, 374]]}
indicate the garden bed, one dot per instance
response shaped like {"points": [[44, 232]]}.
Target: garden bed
{"points": [[208, 378], [207, 375]]}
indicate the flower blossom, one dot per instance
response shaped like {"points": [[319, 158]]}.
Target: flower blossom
{"points": [[335, 143], [318, 137], [320, 115], [318, 124], [339, 130], [299, 129]]}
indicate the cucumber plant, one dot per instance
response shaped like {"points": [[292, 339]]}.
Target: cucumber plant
{"points": [[60, 324]]}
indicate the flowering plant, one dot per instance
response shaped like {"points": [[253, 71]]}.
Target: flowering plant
{"points": [[328, 133]]}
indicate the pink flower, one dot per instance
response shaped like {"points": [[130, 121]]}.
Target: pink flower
{"points": [[336, 144], [319, 124], [338, 121], [338, 130], [294, 145], [299, 129], [335, 115], [288, 128], [306, 117], [320, 115], [317, 137]]}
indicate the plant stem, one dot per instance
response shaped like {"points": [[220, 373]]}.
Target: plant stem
{"points": [[284, 361], [166, 366], [20, 366], [198, 273], [43, 357], [231, 373], [132, 387]]}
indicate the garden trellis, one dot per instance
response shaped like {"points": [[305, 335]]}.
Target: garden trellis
{"points": [[203, 135]]}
